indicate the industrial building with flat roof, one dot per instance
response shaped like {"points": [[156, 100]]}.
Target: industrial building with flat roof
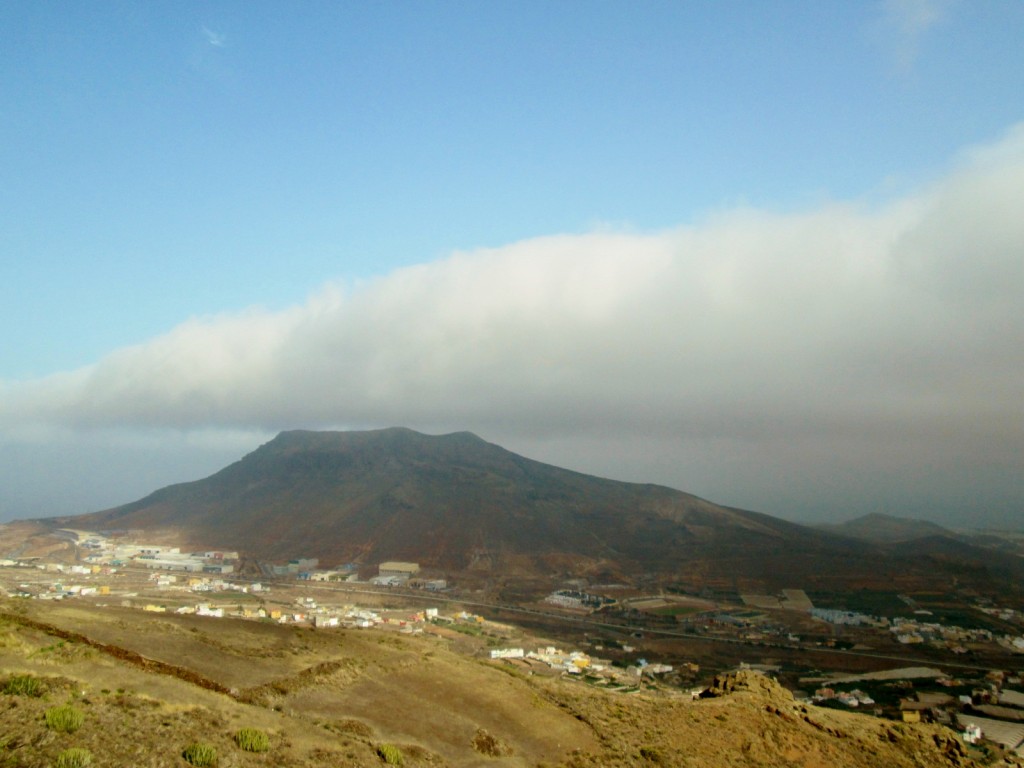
{"points": [[398, 569]]}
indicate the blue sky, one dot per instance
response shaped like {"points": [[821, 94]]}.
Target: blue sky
{"points": [[188, 184]]}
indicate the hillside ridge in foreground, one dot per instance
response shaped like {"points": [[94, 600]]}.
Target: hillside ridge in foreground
{"points": [[338, 698]]}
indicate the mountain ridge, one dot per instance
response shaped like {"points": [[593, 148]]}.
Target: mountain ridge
{"points": [[883, 528], [458, 504]]}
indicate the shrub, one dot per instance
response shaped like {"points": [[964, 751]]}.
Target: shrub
{"points": [[651, 753], [23, 685], [200, 754], [487, 744], [390, 754], [74, 758], [252, 740], [64, 718]]}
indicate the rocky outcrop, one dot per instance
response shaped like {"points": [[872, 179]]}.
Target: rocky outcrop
{"points": [[747, 681]]}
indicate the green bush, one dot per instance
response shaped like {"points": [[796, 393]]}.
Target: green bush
{"points": [[74, 758], [390, 754], [23, 685], [64, 718], [252, 740], [200, 754]]}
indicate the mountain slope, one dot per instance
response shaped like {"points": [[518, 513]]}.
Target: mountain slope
{"points": [[457, 503], [880, 528], [397, 493]]}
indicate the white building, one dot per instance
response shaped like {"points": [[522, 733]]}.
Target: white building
{"points": [[507, 653]]}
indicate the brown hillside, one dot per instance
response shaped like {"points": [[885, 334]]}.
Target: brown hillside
{"points": [[332, 698], [455, 502]]}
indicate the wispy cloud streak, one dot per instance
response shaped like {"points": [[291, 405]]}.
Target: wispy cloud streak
{"points": [[905, 23], [215, 39]]}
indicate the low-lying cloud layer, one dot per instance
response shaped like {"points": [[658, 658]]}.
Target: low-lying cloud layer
{"points": [[851, 335]]}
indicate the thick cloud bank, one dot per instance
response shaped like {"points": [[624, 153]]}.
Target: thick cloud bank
{"points": [[849, 329]]}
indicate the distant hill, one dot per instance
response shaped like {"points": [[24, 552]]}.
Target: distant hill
{"points": [[888, 529], [458, 504]]}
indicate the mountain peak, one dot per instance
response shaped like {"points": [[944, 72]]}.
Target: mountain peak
{"points": [[460, 505], [391, 436], [451, 501]]}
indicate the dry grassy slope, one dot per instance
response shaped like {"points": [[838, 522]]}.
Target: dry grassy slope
{"points": [[329, 698]]}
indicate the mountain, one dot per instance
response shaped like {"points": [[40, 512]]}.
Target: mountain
{"points": [[916, 538], [881, 528], [457, 504]]}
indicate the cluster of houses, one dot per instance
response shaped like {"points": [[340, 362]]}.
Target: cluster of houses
{"points": [[854, 698], [1006, 614], [577, 600], [354, 617], [304, 611], [203, 584], [991, 711], [553, 660], [1013, 643], [106, 552], [60, 588], [912, 631], [571, 662], [850, 618], [907, 631], [60, 591]]}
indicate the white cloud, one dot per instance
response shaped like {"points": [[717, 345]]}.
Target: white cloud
{"points": [[215, 39], [915, 17], [904, 23], [824, 340]]}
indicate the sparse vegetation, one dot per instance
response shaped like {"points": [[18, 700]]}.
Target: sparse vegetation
{"points": [[390, 754], [252, 740], [540, 720], [202, 755], [75, 757], [651, 754], [65, 718], [472, 630], [487, 744], [24, 685], [353, 727]]}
